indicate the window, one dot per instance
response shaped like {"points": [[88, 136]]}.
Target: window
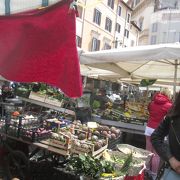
{"points": [[95, 44], [118, 27], [153, 39], [116, 43], [132, 42], [128, 18], [141, 23], [179, 36], [108, 25], [154, 27], [119, 11], [126, 33], [97, 17], [164, 37], [107, 46], [80, 11], [78, 41], [111, 4]]}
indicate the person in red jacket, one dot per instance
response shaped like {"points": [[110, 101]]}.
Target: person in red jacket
{"points": [[158, 108]]}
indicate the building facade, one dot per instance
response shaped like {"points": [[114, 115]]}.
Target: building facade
{"points": [[165, 27], [105, 25], [159, 20]]}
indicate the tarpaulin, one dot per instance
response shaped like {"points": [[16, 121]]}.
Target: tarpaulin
{"points": [[40, 46]]}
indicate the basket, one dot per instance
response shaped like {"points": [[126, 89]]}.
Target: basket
{"points": [[137, 152], [136, 167]]}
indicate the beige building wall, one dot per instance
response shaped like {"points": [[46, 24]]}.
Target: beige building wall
{"points": [[133, 35], [123, 41], [86, 29], [93, 30], [141, 15]]}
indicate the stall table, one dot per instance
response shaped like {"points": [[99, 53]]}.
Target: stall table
{"points": [[124, 127]]}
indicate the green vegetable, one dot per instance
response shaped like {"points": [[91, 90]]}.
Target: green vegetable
{"points": [[127, 163], [147, 82], [96, 104], [89, 166]]}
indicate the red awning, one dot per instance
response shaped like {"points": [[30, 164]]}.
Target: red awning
{"points": [[40, 46]]}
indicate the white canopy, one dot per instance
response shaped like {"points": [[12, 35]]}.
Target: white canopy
{"points": [[151, 62]]}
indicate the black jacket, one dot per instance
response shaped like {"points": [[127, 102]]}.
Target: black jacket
{"points": [[170, 127]]}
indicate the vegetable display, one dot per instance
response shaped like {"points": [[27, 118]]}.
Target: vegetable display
{"points": [[90, 167]]}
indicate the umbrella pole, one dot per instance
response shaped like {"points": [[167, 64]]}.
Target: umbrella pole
{"points": [[175, 78]]}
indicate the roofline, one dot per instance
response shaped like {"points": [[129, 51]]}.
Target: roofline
{"points": [[126, 5]]}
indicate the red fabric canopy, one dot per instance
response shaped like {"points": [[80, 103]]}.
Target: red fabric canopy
{"points": [[40, 46]]}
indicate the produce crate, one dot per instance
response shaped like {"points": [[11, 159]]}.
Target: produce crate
{"points": [[77, 132], [65, 145], [88, 147], [57, 123], [132, 120], [22, 92], [54, 102], [112, 133], [111, 178], [34, 135], [112, 143], [26, 122], [37, 96]]}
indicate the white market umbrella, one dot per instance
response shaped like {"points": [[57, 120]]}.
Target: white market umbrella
{"points": [[159, 62]]}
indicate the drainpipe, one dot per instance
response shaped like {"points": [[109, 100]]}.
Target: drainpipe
{"points": [[115, 39], [82, 31], [137, 38], [125, 26]]}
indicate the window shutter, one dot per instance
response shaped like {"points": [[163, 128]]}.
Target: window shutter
{"points": [[92, 44], [98, 45], [94, 17]]}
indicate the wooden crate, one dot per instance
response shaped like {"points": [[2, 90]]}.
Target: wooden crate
{"points": [[54, 102], [37, 96], [91, 151], [59, 144]]}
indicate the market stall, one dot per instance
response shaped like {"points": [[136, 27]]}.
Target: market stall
{"points": [[156, 62], [159, 62], [35, 50], [56, 136]]}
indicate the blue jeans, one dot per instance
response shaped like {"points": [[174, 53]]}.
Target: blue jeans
{"points": [[169, 174]]}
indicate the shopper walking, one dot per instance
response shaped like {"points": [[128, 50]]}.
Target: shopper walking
{"points": [[170, 152], [158, 108]]}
